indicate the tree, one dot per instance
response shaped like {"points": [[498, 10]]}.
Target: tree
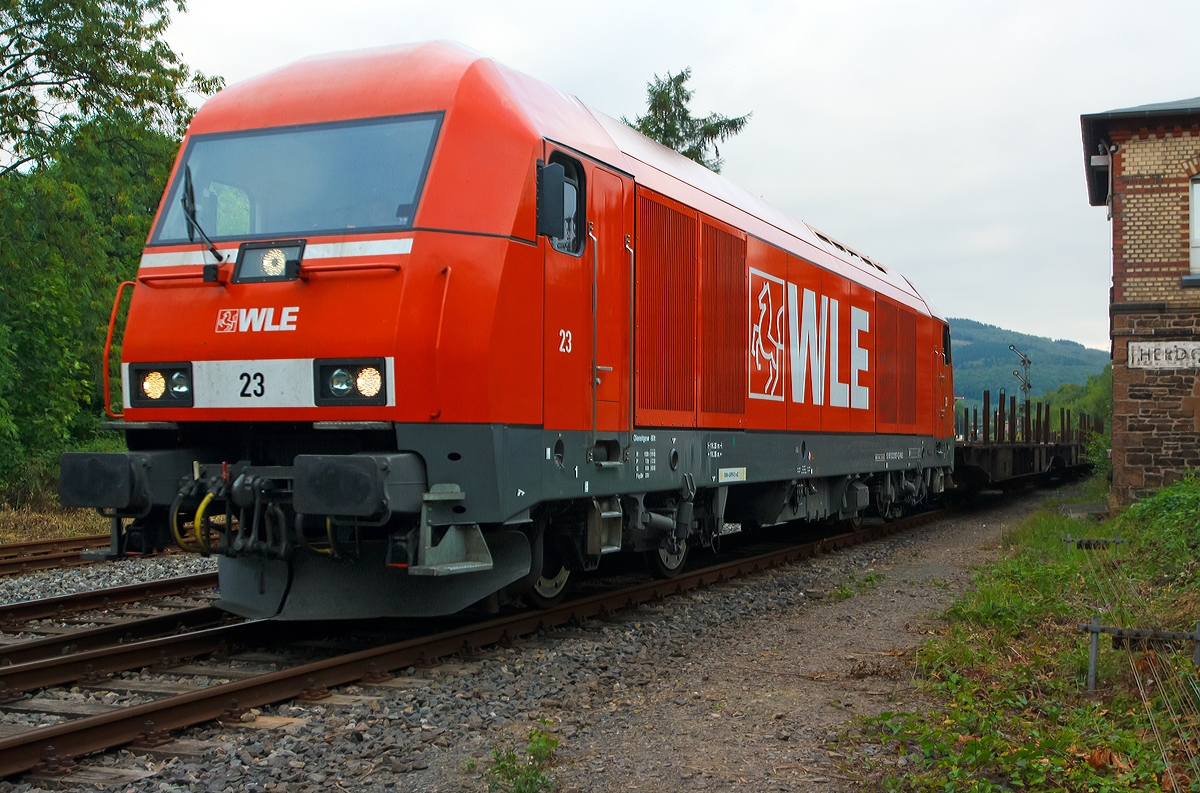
{"points": [[71, 228], [92, 105], [669, 121], [65, 61]]}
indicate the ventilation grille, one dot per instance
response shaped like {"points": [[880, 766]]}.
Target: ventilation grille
{"points": [[666, 308], [885, 355], [723, 329], [896, 352], [906, 358]]}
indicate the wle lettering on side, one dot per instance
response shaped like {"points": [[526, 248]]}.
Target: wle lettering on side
{"points": [[815, 350]]}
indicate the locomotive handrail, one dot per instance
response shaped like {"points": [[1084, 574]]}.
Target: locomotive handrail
{"points": [[633, 361], [305, 271], [595, 311], [345, 268], [437, 347], [152, 277], [112, 322]]}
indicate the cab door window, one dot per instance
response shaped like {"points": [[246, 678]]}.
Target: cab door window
{"points": [[573, 210]]}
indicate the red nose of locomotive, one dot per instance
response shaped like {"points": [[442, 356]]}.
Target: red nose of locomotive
{"points": [[273, 282], [280, 329]]}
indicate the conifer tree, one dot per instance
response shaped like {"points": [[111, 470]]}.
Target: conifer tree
{"points": [[669, 121]]}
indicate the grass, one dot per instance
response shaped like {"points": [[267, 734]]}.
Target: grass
{"points": [[1009, 709], [25, 524], [29, 508], [855, 586]]}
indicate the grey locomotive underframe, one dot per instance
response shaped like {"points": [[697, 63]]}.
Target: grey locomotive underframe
{"points": [[425, 519]]}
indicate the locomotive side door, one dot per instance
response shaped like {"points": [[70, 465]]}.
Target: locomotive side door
{"points": [[567, 333], [944, 419], [586, 377], [611, 217]]}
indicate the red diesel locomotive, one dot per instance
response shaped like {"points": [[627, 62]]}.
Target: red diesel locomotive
{"points": [[412, 328]]}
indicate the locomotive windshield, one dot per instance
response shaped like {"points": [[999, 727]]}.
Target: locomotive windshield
{"points": [[297, 181]]}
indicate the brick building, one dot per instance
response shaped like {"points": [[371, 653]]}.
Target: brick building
{"points": [[1143, 163]]}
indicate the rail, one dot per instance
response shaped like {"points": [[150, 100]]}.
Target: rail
{"points": [[56, 607], [26, 557], [54, 745]]}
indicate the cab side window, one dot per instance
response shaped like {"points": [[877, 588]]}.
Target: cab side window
{"points": [[573, 210], [946, 345]]}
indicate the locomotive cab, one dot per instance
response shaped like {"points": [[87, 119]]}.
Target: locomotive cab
{"points": [[411, 329]]}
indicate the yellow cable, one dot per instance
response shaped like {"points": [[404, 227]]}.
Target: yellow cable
{"points": [[329, 534], [200, 522]]}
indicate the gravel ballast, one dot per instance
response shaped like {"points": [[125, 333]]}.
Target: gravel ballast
{"points": [[735, 686], [69, 580]]}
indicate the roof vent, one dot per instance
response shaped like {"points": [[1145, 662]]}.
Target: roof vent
{"points": [[850, 252]]}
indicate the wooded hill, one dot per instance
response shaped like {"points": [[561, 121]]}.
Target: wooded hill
{"points": [[982, 360]]}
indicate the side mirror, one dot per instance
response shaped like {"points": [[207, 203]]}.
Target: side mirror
{"points": [[551, 200]]}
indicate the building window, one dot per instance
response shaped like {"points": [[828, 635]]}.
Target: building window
{"points": [[1194, 222]]}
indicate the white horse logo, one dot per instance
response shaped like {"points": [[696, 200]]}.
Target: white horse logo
{"points": [[766, 338]]}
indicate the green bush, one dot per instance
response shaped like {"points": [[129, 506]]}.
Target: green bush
{"points": [[530, 773], [70, 231], [1164, 531]]}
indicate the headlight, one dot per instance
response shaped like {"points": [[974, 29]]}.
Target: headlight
{"points": [[154, 385], [181, 385], [369, 381], [268, 261], [351, 382], [341, 383], [273, 262], [160, 385]]}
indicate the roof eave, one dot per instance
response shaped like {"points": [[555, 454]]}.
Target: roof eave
{"points": [[1096, 125], [1113, 115]]}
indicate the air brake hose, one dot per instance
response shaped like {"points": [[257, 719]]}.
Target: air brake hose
{"points": [[179, 540], [200, 531]]}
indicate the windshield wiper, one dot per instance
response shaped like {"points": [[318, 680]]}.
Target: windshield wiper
{"points": [[189, 211]]}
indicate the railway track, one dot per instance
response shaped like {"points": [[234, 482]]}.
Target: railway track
{"points": [[98, 659], [14, 615], [26, 557]]}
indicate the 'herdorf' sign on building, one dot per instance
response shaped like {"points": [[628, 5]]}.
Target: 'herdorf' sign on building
{"points": [[1164, 354]]}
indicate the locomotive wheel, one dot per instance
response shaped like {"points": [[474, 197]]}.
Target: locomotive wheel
{"points": [[549, 589], [664, 563]]}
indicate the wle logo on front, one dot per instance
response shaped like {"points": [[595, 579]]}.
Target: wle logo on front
{"points": [[241, 320]]}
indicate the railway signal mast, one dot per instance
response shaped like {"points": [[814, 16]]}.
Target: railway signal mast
{"points": [[1026, 386]]}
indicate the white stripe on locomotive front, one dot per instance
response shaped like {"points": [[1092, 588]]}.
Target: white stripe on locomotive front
{"points": [[323, 250]]}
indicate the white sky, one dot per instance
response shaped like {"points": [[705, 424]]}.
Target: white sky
{"points": [[941, 138]]}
